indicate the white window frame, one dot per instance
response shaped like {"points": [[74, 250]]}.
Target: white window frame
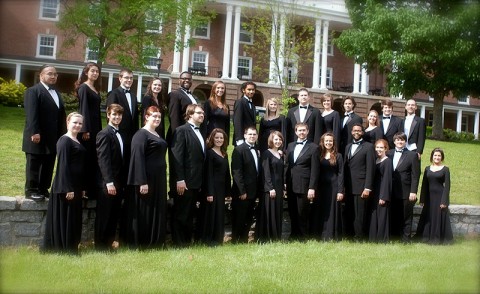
{"points": [[159, 52], [43, 8], [249, 77], [39, 39], [247, 33], [204, 26], [329, 46], [466, 102], [87, 53], [149, 19], [329, 81], [205, 67]]}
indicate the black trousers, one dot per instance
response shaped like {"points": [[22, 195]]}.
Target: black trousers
{"points": [[300, 210], [401, 218], [184, 210], [107, 217], [38, 172], [242, 218]]}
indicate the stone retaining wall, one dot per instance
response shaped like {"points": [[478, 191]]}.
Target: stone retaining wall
{"points": [[22, 221]]}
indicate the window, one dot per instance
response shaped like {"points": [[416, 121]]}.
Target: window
{"points": [[153, 24], [151, 56], [199, 63], [329, 77], [49, 9], [202, 31], [329, 46], [91, 52], [464, 100], [244, 68], [46, 46], [246, 37]]}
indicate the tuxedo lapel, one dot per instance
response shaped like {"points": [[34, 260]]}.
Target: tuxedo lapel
{"points": [[304, 150], [412, 128], [308, 113], [50, 98], [357, 150], [195, 138], [404, 155], [297, 114]]}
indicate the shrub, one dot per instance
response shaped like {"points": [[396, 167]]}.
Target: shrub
{"points": [[11, 93], [429, 131], [451, 135]]}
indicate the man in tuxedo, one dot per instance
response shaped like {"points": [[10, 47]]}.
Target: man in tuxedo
{"points": [[389, 123], [188, 150], [127, 99], [406, 174], [349, 120], [245, 173], [178, 100], [305, 113], [414, 128], [244, 113], [359, 178], [44, 124], [301, 179], [113, 167]]}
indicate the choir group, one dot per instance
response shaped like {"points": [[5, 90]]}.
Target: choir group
{"points": [[338, 178]]}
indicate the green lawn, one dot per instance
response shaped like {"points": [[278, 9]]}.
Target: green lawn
{"points": [[310, 267], [462, 158]]}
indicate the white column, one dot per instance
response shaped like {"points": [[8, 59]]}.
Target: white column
{"points": [[272, 76], [422, 111], [170, 82], [281, 50], [80, 72], [139, 88], [459, 121], [18, 72], [356, 78], [316, 54], [323, 82], [236, 42], [186, 47], [177, 48], [227, 43], [110, 82], [364, 89], [476, 125]]}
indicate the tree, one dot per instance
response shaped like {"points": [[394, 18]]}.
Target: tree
{"points": [[283, 52], [423, 46], [127, 31]]}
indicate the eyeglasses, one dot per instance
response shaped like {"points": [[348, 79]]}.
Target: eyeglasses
{"points": [[127, 78], [199, 112]]}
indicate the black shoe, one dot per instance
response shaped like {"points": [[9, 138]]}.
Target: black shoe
{"points": [[35, 197]]}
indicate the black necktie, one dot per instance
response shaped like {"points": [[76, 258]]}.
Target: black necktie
{"points": [[126, 91], [304, 107], [386, 117]]}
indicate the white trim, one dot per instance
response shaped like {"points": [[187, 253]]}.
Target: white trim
{"points": [[159, 52], [329, 78], [205, 67], [245, 32], [466, 102], [250, 61], [207, 37], [54, 53], [42, 8]]}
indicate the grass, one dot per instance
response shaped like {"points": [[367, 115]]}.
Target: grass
{"points": [[462, 158], [310, 267]]}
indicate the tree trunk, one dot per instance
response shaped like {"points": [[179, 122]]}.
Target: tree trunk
{"points": [[437, 129]]}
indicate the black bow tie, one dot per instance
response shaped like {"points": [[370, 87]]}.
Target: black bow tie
{"points": [[251, 147], [187, 91], [304, 107], [126, 91], [348, 114], [386, 117], [51, 88], [399, 151], [357, 143], [115, 130], [300, 142], [194, 127]]}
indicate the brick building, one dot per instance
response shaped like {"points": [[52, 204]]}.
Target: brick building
{"points": [[30, 38]]}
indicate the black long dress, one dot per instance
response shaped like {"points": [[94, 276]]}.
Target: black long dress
{"points": [[333, 124], [148, 101], [379, 216], [373, 135], [89, 106], [147, 220], [330, 183], [215, 118], [270, 210], [434, 224], [63, 228], [217, 184], [268, 126]]}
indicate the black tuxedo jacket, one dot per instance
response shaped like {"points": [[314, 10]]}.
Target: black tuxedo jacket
{"points": [[188, 157], [110, 160], [302, 174], [394, 127], [129, 125], [42, 116], [417, 133], [178, 101], [406, 175], [314, 120], [243, 117], [359, 168], [346, 131], [244, 172]]}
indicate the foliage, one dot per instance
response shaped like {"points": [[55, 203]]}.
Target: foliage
{"points": [[429, 46], [298, 41], [451, 135], [11, 93], [71, 101], [127, 31]]}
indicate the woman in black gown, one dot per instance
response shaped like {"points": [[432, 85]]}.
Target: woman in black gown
{"points": [[331, 117], [217, 114], [63, 229], [272, 121], [382, 190], [86, 90], [434, 224], [331, 189], [373, 132], [217, 187], [270, 209], [147, 180], [153, 97]]}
